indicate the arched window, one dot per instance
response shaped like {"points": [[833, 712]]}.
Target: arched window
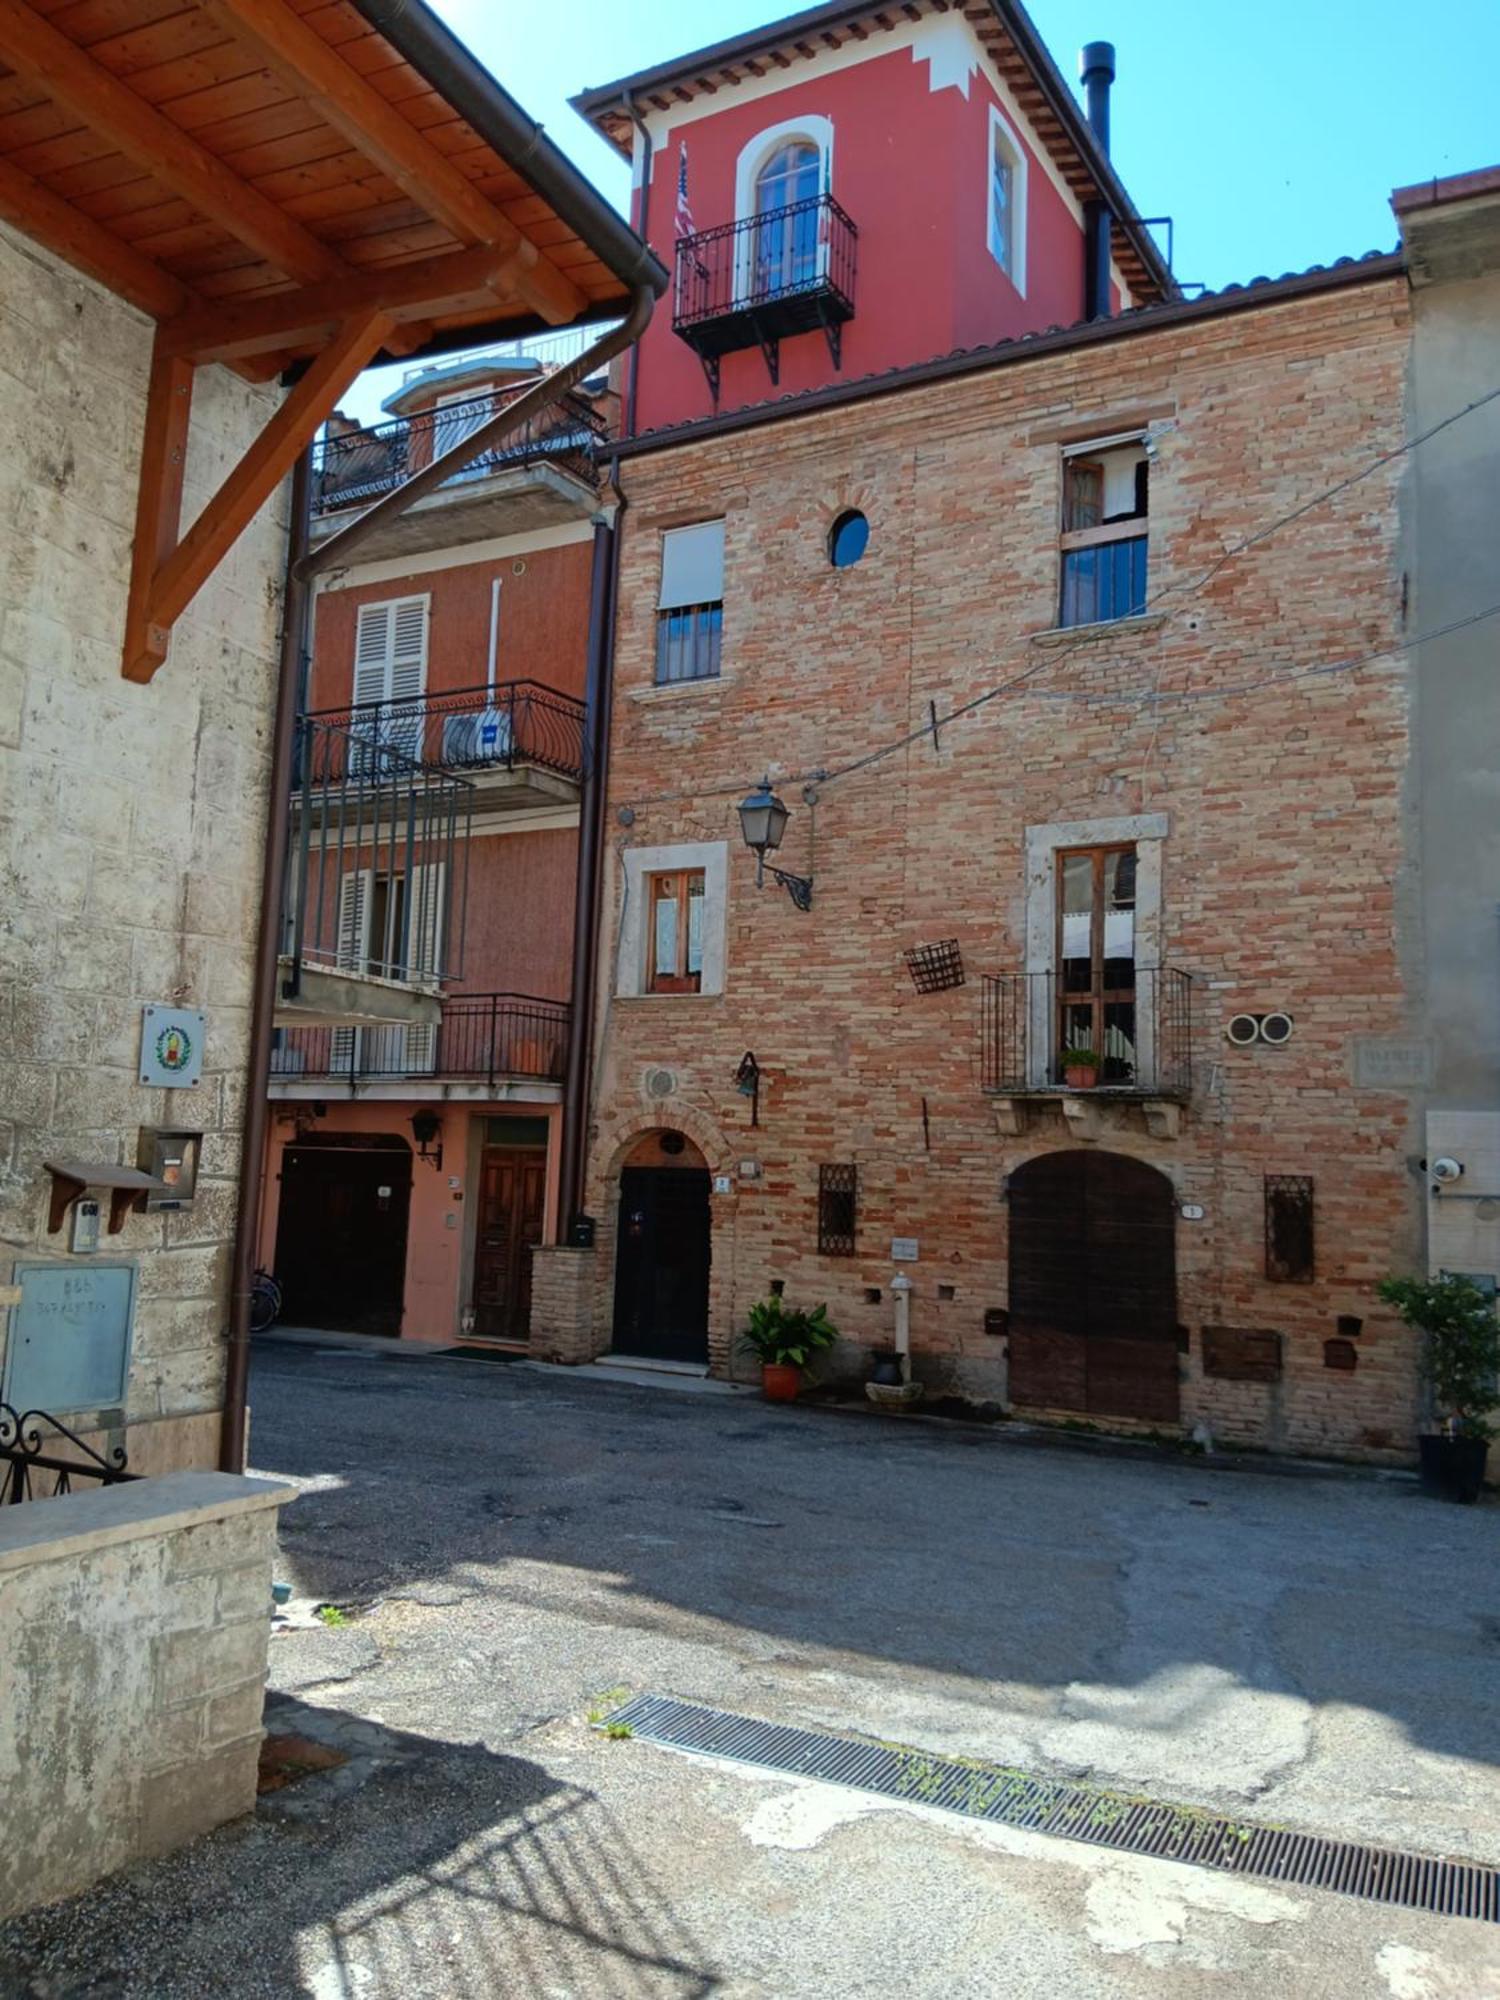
{"points": [[786, 218]]}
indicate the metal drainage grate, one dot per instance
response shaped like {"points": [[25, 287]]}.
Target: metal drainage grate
{"points": [[1074, 1812]]}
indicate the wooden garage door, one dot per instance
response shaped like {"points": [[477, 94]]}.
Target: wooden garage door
{"points": [[1093, 1286]]}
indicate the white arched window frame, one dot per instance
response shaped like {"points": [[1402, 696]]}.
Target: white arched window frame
{"points": [[1005, 199], [753, 158]]}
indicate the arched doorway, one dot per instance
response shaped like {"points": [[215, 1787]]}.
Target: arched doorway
{"points": [[662, 1251], [341, 1231], [1093, 1286]]}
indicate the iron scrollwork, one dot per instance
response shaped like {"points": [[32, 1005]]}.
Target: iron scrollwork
{"points": [[24, 1436]]}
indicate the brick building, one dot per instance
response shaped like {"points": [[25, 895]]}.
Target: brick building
{"points": [[1054, 717]]}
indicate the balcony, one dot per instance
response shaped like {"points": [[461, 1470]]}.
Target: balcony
{"points": [[485, 1045], [1144, 1038], [373, 903], [756, 282], [519, 743], [538, 477]]}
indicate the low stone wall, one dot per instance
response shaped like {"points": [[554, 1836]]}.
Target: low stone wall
{"points": [[136, 1624], [562, 1304]]}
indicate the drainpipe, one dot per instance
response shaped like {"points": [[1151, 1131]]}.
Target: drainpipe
{"points": [[598, 710], [339, 550], [289, 687], [1096, 66], [644, 232]]}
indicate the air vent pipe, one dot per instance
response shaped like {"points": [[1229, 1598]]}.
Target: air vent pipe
{"points": [[1096, 67]]}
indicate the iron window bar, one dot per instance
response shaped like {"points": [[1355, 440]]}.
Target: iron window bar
{"points": [[1290, 1240], [935, 968], [838, 1204], [1147, 1053]]}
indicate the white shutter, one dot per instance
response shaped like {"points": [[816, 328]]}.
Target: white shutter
{"points": [[425, 943], [408, 675], [692, 566], [372, 652], [351, 954]]}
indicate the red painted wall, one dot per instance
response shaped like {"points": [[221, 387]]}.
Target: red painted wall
{"points": [[910, 167], [519, 937]]}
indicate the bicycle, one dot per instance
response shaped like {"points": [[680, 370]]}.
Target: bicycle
{"points": [[265, 1302]]}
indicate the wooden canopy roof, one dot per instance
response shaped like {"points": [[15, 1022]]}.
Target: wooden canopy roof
{"points": [[1010, 40], [287, 185]]}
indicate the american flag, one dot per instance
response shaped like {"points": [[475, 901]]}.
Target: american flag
{"points": [[685, 223]]}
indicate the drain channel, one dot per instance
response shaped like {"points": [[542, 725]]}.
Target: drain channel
{"points": [[1074, 1812]]}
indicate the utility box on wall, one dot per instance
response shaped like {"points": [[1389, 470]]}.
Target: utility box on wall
{"points": [[68, 1343], [172, 1158]]}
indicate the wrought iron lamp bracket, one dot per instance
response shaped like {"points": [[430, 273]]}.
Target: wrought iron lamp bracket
{"points": [[798, 887]]}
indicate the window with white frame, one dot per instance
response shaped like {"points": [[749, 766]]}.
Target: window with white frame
{"points": [[690, 604], [673, 919], [1005, 204], [780, 178], [390, 675], [1105, 497]]}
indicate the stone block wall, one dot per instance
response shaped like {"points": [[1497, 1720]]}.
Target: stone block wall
{"points": [[1281, 861], [132, 819], [562, 1303], [137, 1622]]}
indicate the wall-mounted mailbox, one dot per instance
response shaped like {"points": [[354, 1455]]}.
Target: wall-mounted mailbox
{"points": [[170, 1157]]}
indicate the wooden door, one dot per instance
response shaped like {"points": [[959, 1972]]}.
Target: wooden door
{"points": [[1093, 1287], [341, 1237], [512, 1203], [661, 1264]]}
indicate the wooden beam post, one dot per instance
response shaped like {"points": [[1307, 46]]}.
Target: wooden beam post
{"points": [[158, 507], [177, 577]]}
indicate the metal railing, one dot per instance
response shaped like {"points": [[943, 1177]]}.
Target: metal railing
{"points": [[359, 466], [1144, 1044], [800, 251], [23, 1438], [377, 865], [471, 729], [487, 1035], [549, 351]]}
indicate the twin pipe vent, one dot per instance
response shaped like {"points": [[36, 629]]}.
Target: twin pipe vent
{"points": [[1243, 1029]]}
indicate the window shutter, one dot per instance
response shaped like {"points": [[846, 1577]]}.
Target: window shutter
{"points": [[425, 948], [692, 566], [409, 648], [372, 650], [351, 952]]}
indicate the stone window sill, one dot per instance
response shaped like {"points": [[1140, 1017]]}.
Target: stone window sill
{"points": [[1057, 636], [679, 690]]}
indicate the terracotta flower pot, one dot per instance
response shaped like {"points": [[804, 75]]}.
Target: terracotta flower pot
{"points": [[1080, 1079], [780, 1381]]}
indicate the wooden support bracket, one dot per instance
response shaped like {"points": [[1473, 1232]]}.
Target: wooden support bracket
{"points": [[167, 573]]}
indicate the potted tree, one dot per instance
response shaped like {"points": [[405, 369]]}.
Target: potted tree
{"points": [[785, 1341], [1080, 1067], [1461, 1359]]}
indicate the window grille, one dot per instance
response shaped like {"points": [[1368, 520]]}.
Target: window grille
{"points": [[838, 1201], [935, 967], [1289, 1229]]}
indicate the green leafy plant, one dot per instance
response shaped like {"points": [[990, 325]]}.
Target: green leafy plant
{"points": [[781, 1336], [1461, 1358], [332, 1614], [618, 1732], [1080, 1057], [602, 1705]]}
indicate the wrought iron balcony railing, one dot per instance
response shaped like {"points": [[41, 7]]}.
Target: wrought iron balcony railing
{"points": [[34, 1443], [754, 282], [377, 871], [481, 1035], [1141, 1032], [357, 467], [468, 729]]}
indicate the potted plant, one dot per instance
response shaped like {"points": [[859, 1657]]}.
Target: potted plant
{"points": [[1461, 1360], [1080, 1067], [785, 1341]]}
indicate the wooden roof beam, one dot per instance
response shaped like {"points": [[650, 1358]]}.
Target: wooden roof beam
{"points": [[102, 256], [37, 51], [318, 73], [167, 573]]}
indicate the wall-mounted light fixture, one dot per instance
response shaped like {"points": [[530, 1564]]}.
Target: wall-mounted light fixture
{"points": [[426, 1126], [747, 1083], [763, 820]]}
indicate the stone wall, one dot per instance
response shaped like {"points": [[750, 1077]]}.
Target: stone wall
{"points": [[132, 819], [1279, 806], [137, 1619]]}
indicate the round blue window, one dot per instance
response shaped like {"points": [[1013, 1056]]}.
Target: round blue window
{"points": [[848, 539]]}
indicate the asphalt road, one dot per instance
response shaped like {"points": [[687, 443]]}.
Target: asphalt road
{"points": [[511, 1544]]}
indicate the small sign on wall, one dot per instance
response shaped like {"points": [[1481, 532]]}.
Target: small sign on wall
{"points": [[903, 1249], [171, 1046]]}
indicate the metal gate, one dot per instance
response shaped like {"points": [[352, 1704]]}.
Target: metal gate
{"points": [[1093, 1286]]}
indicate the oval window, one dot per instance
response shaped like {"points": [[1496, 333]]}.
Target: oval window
{"points": [[847, 539]]}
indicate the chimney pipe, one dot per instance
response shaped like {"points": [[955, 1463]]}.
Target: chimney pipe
{"points": [[1096, 67]]}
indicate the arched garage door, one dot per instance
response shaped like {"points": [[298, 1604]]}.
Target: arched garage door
{"points": [[1093, 1286]]}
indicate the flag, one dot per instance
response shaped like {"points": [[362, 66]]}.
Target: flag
{"points": [[685, 224]]}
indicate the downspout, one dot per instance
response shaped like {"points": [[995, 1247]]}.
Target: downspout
{"points": [[643, 230], [289, 693], [338, 551], [598, 705]]}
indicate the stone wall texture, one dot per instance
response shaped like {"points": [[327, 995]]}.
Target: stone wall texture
{"points": [[1280, 866], [132, 819], [130, 1711]]}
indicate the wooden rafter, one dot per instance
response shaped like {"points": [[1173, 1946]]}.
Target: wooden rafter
{"points": [[39, 52], [72, 234], [168, 573], [354, 107]]}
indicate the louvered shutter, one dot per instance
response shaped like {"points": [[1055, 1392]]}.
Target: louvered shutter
{"points": [[425, 955], [408, 674], [372, 653], [351, 954]]}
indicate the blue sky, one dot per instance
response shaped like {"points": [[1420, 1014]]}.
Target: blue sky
{"points": [[1272, 134]]}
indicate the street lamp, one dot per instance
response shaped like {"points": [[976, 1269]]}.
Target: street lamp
{"points": [[763, 820]]}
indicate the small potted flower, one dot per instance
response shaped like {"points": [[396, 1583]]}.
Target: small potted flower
{"points": [[1080, 1067], [1461, 1362], [785, 1341]]}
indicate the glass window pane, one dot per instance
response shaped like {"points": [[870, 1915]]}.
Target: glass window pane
{"points": [[665, 926], [1119, 1042], [1119, 919], [695, 924]]}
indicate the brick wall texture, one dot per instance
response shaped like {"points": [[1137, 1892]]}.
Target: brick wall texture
{"points": [[1280, 867], [132, 819]]}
